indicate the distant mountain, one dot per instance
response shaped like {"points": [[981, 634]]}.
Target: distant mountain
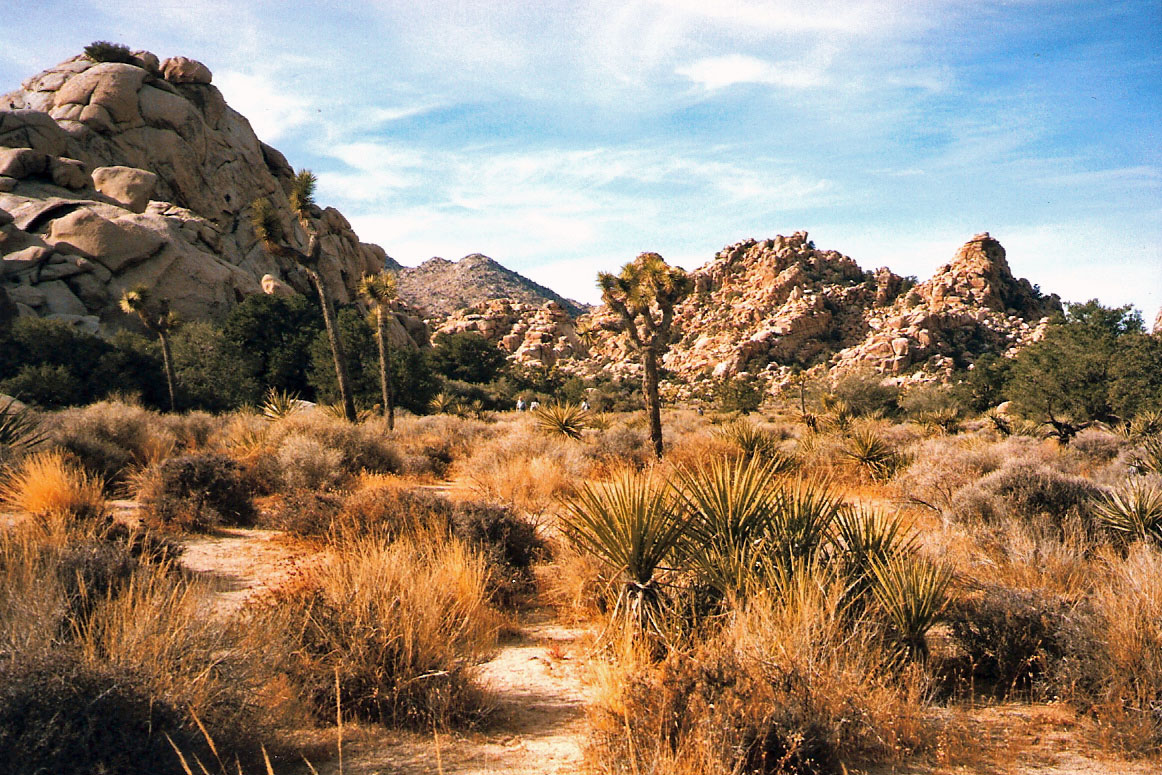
{"points": [[440, 287]]}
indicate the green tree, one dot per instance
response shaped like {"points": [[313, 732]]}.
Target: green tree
{"points": [[272, 336], [268, 228], [379, 292], [206, 364], [467, 356], [156, 316], [411, 374], [644, 295], [1064, 379]]}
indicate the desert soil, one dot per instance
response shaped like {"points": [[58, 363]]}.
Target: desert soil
{"points": [[537, 681]]}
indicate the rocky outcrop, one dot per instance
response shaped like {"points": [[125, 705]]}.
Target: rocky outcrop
{"points": [[117, 174], [971, 306], [530, 334], [440, 287], [762, 307]]}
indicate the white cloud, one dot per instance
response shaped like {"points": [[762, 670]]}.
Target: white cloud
{"points": [[720, 72], [272, 110]]}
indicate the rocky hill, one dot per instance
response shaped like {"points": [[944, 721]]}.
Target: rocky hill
{"points": [[441, 287], [763, 307], [115, 174]]}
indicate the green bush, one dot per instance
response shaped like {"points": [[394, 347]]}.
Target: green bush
{"points": [[104, 51]]}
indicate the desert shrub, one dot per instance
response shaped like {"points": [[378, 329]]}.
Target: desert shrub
{"points": [[53, 487], [195, 492], [939, 467], [865, 394], [1112, 653], [1009, 636], [785, 686], [304, 513], [509, 543], [1098, 445], [193, 431], [104, 51], [618, 446], [522, 468], [1025, 491], [111, 437], [394, 627], [307, 464], [929, 399], [60, 713]]}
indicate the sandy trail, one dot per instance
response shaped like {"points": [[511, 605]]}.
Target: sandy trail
{"points": [[537, 724]]}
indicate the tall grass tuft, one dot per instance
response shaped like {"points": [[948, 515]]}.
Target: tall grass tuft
{"points": [[400, 624], [51, 486]]}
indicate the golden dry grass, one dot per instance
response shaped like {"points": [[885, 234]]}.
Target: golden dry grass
{"points": [[51, 486]]}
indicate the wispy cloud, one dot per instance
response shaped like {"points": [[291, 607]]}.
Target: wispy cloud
{"points": [[722, 71]]}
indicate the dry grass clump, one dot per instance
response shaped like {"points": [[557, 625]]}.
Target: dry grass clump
{"points": [[509, 542], [195, 492], [53, 487], [103, 652], [786, 685], [1112, 666], [394, 627], [523, 468], [111, 438]]}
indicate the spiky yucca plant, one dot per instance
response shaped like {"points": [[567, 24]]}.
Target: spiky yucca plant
{"points": [[802, 520], [945, 420], [19, 428], [1146, 424], [754, 441], [729, 507], [863, 537], [567, 419], [633, 525], [1148, 459], [279, 404], [337, 411], [446, 403], [1134, 510], [871, 452], [912, 593]]}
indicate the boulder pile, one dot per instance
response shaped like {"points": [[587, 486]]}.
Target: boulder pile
{"points": [[117, 174]]}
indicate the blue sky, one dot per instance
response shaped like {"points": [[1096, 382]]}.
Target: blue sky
{"points": [[565, 138]]}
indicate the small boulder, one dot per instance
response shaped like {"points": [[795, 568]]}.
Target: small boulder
{"points": [[69, 173], [116, 244], [128, 186], [21, 163], [272, 286], [185, 70]]}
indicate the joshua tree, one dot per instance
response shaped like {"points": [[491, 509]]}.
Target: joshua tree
{"points": [[644, 295], [268, 228], [156, 316], [379, 292]]}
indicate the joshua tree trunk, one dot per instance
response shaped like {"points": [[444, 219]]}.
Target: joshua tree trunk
{"points": [[337, 351], [653, 403], [167, 361], [385, 366]]}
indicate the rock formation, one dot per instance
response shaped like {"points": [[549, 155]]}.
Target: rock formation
{"points": [[114, 174], [441, 287], [760, 307], [531, 334]]}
